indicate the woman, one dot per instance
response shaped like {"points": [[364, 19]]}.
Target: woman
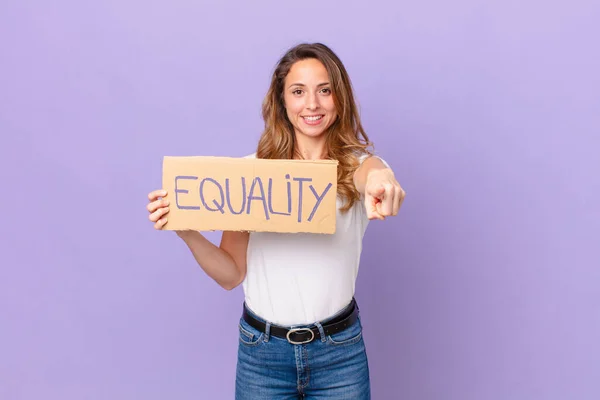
{"points": [[300, 333]]}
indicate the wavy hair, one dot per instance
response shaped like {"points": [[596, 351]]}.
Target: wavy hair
{"points": [[345, 138]]}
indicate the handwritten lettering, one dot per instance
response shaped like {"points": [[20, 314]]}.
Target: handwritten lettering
{"points": [[319, 199], [177, 191], [215, 196], [289, 197], [219, 206], [300, 181], [261, 197], [229, 197]]}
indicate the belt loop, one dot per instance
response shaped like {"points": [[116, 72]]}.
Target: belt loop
{"points": [[321, 331], [267, 331]]}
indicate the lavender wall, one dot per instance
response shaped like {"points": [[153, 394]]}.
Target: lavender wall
{"points": [[486, 286]]}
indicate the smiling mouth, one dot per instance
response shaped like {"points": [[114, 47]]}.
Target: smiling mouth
{"points": [[312, 118]]}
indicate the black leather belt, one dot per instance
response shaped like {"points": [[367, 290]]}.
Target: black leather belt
{"points": [[307, 334]]}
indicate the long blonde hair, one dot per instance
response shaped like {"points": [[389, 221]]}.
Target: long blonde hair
{"points": [[345, 137]]}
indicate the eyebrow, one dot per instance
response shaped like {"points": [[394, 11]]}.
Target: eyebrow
{"points": [[302, 85]]}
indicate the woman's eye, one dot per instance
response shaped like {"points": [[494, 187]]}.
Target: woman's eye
{"points": [[326, 90], [297, 92]]}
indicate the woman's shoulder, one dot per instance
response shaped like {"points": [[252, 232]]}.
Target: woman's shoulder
{"points": [[363, 155]]}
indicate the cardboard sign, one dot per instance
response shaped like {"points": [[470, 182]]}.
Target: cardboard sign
{"points": [[247, 194]]}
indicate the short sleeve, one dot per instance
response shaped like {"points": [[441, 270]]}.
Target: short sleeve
{"points": [[364, 156]]}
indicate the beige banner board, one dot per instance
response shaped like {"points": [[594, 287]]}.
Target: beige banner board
{"points": [[247, 194]]}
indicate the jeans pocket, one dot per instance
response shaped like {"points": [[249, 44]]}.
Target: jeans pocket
{"points": [[350, 335], [249, 336]]}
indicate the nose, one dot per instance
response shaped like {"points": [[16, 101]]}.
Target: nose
{"points": [[312, 101]]}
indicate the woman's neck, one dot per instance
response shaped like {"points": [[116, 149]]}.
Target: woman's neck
{"points": [[310, 148]]}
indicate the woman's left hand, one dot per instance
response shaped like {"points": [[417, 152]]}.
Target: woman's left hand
{"points": [[383, 194]]}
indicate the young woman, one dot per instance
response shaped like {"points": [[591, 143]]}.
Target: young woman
{"points": [[300, 334]]}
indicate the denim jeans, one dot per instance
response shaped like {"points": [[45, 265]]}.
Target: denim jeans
{"points": [[330, 367]]}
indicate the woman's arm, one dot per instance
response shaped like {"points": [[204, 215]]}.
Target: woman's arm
{"points": [[382, 192], [225, 264]]}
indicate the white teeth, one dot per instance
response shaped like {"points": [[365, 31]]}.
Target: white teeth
{"points": [[315, 118]]}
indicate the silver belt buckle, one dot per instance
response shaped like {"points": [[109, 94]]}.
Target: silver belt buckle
{"points": [[287, 336]]}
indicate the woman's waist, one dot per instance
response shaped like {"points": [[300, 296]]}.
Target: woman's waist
{"points": [[289, 310]]}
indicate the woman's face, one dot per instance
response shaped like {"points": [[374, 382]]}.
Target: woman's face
{"points": [[308, 98]]}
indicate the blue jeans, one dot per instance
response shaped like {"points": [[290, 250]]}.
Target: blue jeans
{"points": [[330, 367]]}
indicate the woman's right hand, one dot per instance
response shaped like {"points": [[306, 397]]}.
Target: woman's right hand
{"points": [[158, 208]]}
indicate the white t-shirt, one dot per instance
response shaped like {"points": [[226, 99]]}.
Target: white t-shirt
{"points": [[301, 278]]}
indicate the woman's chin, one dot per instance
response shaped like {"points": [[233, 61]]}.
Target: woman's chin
{"points": [[312, 133]]}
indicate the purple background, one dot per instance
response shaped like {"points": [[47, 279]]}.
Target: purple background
{"points": [[486, 286]]}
